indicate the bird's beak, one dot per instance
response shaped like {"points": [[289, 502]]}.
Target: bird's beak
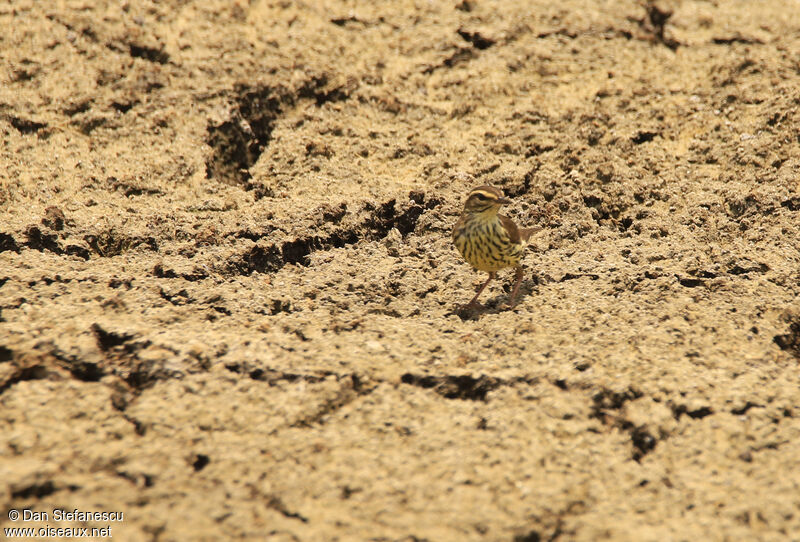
{"points": [[503, 201]]}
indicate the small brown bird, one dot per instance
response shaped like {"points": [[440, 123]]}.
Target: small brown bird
{"points": [[490, 241]]}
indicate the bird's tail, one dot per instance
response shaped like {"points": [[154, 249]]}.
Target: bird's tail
{"points": [[525, 233]]}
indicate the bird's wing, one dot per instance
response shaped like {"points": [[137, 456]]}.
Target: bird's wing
{"points": [[511, 229]]}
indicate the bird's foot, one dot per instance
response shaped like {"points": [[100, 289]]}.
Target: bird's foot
{"points": [[508, 305]]}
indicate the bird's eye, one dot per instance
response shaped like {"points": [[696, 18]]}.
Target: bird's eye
{"points": [[481, 197]]}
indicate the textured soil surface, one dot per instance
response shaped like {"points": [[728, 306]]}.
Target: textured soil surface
{"points": [[229, 300]]}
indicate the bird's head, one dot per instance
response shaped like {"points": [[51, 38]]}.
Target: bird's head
{"points": [[485, 198]]}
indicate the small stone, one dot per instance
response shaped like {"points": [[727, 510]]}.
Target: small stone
{"points": [[392, 242]]}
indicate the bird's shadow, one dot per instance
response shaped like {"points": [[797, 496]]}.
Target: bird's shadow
{"points": [[496, 304]]}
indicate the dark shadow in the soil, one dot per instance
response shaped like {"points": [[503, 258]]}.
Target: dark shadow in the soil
{"points": [[21, 374], [239, 141], [790, 341], [7, 242], [24, 126], [498, 303], [463, 387], [605, 407], [379, 222]]}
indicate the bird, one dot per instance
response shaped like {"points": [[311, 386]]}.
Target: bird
{"points": [[489, 241]]}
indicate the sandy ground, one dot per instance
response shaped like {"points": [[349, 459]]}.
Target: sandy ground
{"points": [[229, 298]]}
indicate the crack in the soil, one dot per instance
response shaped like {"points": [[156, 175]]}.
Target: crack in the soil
{"points": [[110, 243], [272, 376], [644, 136], [464, 387], [41, 241], [151, 54], [36, 490], [7, 242], [239, 141], [690, 282], [477, 41], [793, 204], [461, 55], [198, 273], [696, 414], [24, 126], [352, 387], [605, 400], [573, 276], [736, 38], [381, 220], [744, 408], [21, 374], [121, 349], [129, 189], [107, 340], [104, 244], [37, 239], [571, 34], [138, 427], [349, 392], [277, 504]]}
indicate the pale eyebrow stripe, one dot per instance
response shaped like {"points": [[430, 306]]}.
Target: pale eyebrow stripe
{"points": [[487, 194]]}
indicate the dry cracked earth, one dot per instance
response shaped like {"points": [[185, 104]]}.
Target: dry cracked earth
{"points": [[229, 302]]}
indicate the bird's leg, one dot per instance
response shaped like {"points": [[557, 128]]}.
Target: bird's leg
{"points": [[474, 303], [517, 281]]}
